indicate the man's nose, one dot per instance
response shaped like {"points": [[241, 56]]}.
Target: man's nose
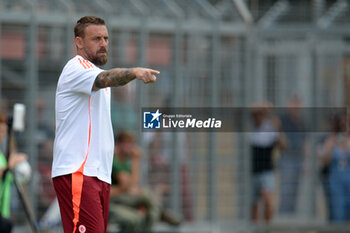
{"points": [[104, 43]]}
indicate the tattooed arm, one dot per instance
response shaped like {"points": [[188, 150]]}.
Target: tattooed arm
{"points": [[121, 76]]}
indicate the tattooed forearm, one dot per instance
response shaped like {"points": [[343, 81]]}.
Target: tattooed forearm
{"points": [[113, 78], [121, 76]]}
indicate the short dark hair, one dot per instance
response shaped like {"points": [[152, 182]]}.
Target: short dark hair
{"points": [[124, 136], [85, 21]]}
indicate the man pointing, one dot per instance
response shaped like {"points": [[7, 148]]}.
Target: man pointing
{"points": [[83, 148]]}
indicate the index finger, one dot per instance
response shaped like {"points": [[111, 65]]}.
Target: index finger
{"points": [[154, 71]]}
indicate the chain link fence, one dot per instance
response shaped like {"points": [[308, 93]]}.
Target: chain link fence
{"points": [[208, 56]]}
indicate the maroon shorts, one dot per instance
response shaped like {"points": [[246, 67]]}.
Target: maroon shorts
{"points": [[84, 203]]}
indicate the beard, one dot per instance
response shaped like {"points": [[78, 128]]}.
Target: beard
{"points": [[99, 59]]}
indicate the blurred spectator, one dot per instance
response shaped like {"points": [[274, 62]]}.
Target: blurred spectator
{"points": [[335, 156], [292, 158], [161, 165], [324, 172], [132, 208], [265, 138], [6, 178], [4, 111], [159, 174]]}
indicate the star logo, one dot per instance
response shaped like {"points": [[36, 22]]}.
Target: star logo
{"points": [[151, 120], [156, 115]]}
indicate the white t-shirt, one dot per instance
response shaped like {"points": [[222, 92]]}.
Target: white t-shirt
{"points": [[77, 109], [265, 135]]}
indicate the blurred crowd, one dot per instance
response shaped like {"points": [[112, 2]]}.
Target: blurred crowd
{"points": [[281, 162], [280, 151]]}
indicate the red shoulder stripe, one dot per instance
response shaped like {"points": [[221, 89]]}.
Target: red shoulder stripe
{"points": [[82, 63], [88, 64]]}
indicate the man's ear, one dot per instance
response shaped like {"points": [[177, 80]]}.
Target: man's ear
{"points": [[79, 42]]}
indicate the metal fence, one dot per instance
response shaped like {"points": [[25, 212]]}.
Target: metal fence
{"points": [[210, 54]]}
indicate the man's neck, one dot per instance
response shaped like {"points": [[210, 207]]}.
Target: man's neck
{"points": [[82, 54]]}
